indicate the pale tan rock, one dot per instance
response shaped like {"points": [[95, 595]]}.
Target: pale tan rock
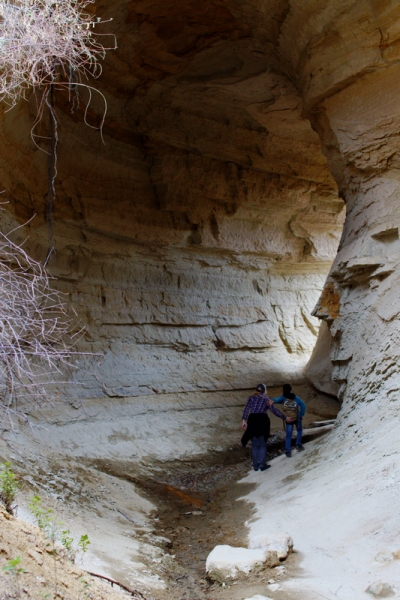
{"points": [[319, 369], [209, 219], [380, 589]]}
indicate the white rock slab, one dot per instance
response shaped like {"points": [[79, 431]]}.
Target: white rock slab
{"points": [[281, 543], [227, 562], [259, 597]]}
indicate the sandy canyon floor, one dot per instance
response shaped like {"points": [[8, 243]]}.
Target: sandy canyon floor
{"points": [[155, 488]]}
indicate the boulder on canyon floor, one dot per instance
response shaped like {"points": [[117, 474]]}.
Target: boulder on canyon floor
{"points": [[281, 543], [226, 562]]}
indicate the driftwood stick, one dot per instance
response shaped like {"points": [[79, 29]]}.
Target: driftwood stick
{"points": [[317, 431], [134, 593], [322, 423]]}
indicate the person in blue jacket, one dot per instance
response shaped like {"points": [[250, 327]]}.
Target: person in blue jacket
{"points": [[301, 407]]}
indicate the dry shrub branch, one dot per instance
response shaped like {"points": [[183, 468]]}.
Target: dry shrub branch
{"points": [[44, 45], [43, 42], [36, 335]]}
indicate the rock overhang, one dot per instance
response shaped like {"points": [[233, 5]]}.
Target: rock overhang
{"points": [[204, 228]]}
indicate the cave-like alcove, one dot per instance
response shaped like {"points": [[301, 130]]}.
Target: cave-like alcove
{"points": [[195, 242]]}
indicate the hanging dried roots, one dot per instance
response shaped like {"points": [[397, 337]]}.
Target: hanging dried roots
{"points": [[46, 41]]}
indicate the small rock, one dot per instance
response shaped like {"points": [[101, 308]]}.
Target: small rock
{"points": [[274, 587], [271, 581], [380, 589], [384, 556], [281, 543]]}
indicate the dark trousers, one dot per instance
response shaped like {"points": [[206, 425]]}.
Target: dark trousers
{"points": [[259, 452]]}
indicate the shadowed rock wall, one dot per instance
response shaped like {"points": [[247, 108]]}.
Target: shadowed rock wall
{"points": [[194, 244]]}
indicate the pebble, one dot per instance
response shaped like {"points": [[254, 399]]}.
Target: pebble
{"points": [[384, 556], [380, 589]]}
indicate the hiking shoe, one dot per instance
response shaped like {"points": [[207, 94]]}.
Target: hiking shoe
{"points": [[265, 468], [300, 448], [256, 469], [288, 454]]}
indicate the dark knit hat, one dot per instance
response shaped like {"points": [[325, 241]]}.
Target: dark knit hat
{"points": [[261, 388], [287, 388]]}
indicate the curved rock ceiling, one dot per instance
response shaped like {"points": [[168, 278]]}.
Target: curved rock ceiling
{"points": [[196, 241]]}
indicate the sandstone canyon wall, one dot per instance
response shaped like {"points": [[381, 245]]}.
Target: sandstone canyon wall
{"points": [[346, 62], [194, 244], [196, 241]]}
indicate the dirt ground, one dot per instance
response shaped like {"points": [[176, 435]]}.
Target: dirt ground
{"points": [[43, 572], [194, 505]]}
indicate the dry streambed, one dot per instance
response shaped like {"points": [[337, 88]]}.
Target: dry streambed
{"points": [[198, 506], [153, 521]]}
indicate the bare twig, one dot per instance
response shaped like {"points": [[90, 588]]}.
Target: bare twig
{"points": [[37, 339], [134, 593]]}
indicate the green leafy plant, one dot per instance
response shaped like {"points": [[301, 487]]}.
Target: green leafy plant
{"points": [[12, 565], [46, 520], [69, 544], [84, 542], [14, 570], [44, 517], [66, 540], [8, 487]]}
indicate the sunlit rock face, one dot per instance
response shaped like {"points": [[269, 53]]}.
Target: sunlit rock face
{"points": [[195, 242], [346, 59]]}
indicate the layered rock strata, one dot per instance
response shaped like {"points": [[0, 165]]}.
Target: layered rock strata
{"points": [[348, 73], [195, 242]]}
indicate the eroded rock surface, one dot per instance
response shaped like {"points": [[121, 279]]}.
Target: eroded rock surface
{"points": [[347, 64], [195, 242]]}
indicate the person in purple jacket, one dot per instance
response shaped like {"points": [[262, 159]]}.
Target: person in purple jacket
{"points": [[256, 424]]}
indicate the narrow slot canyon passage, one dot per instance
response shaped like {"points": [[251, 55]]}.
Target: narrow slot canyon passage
{"points": [[238, 225]]}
